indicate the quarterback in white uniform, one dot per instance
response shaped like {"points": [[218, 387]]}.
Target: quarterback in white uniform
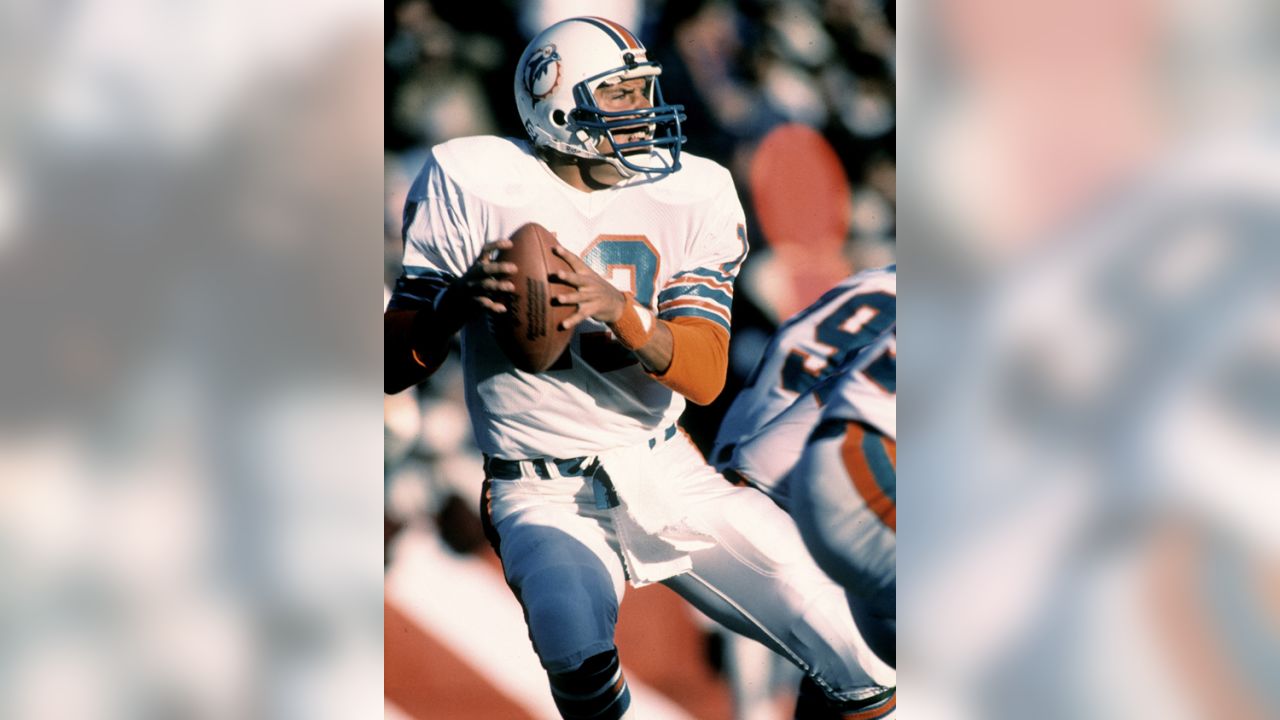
{"points": [[589, 484]]}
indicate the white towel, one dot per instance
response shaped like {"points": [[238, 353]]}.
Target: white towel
{"points": [[654, 534]]}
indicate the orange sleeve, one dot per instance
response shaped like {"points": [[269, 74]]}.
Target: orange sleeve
{"points": [[699, 359]]}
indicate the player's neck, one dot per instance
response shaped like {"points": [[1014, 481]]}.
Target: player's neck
{"points": [[582, 174]]}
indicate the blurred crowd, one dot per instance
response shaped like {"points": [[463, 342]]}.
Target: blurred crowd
{"points": [[1089, 342], [188, 397]]}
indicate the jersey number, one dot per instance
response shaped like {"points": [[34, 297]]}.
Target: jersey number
{"points": [[631, 263], [857, 322]]}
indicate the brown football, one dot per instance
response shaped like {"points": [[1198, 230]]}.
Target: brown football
{"points": [[529, 331]]}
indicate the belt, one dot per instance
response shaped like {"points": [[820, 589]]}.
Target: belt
{"points": [[547, 468]]}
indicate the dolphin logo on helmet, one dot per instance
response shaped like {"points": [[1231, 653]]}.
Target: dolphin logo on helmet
{"points": [[542, 72]]}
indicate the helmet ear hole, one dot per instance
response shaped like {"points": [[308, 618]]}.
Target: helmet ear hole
{"points": [[558, 117]]}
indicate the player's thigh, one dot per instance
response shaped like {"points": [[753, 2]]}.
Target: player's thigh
{"points": [[843, 500], [559, 562], [758, 578]]}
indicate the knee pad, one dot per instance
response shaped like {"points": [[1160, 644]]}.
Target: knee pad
{"points": [[595, 690]]}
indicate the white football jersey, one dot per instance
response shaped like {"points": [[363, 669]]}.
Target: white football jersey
{"points": [[675, 242], [807, 349], [863, 389]]}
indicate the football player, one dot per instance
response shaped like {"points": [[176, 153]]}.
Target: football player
{"points": [[805, 352], [816, 430], [589, 483], [844, 495]]}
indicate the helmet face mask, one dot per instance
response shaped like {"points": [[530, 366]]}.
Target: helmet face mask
{"points": [[555, 86]]}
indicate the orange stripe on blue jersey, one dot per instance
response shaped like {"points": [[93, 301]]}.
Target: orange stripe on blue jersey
{"points": [[870, 459]]}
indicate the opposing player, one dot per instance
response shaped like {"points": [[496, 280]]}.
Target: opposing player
{"points": [[816, 429], [589, 483], [805, 352], [843, 492]]}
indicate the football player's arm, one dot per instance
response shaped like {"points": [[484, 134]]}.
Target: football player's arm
{"points": [[426, 312], [415, 344], [689, 355], [695, 307]]}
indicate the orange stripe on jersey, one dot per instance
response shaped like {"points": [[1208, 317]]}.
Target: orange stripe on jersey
{"points": [[708, 305], [690, 280], [626, 35], [864, 478]]}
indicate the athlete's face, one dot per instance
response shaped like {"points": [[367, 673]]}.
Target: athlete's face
{"points": [[630, 94]]}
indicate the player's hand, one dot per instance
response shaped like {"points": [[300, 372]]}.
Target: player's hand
{"points": [[595, 297], [485, 282]]}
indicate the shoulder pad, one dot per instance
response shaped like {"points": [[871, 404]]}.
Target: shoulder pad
{"points": [[497, 170]]}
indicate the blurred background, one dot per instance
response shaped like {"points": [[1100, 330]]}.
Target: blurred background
{"points": [[796, 98], [1089, 370], [190, 507]]}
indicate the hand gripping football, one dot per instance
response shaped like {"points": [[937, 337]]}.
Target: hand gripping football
{"points": [[529, 331]]}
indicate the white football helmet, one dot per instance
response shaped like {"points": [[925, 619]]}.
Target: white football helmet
{"points": [[556, 80]]}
